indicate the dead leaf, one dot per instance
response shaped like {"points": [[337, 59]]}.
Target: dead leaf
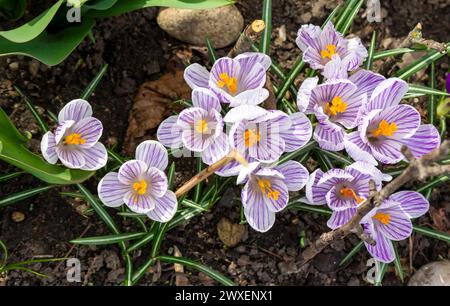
{"points": [[230, 233], [152, 104], [440, 219], [180, 277]]}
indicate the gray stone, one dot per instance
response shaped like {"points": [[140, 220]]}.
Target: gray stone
{"points": [[433, 274], [221, 25]]}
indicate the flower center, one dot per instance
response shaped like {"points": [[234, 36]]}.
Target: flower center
{"points": [[329, 51], [74, 139], [266, 189], [201, 126], [382, 217], [335, 107], [348, 192], [140, 187], [251, 137], [230, 83], [385, 129]]}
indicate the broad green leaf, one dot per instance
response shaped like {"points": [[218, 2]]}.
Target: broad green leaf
{"points": [[50, 49], [12, 9], [99, 4], [14, 152], [108, 239], [33, 28]]}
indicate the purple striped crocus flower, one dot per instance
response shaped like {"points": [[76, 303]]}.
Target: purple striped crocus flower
{"points": [[141, 184], [337, 105], [198, 128], [327, 47], [266, 191], [386, 126], [75, 140], [391, 221], [262, 135], [237, 81]]}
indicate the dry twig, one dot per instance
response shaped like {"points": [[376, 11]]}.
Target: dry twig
{"points": [[251, 34]]}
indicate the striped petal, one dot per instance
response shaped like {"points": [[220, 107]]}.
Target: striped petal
{"points": [[96, 157], [169, 133], [140, 204], [153, 154], [111, 191], [337, 203], [307, 36], [412, 203], [335, 69], [249, 59], [298, 134], [270, 147], [304, 93], [394, 225], [334, 176], [251, 77], [132, 171], [277, 202], [157, 180], [340, 218], [196, 76], [425, 140], [256, 212], [231, 68], [250, 97], [387, 151], [48, 148], [206, 99], [90, 129], [244, 112], [75, 110], [70, 157], [61, 130], [165, 208], [357, 149], [405, 117], [316, 193], [189, 116], [382, 250], [329, 136], [356, 54], [218, 148], [295, 174], [388, 93], [366, 81]]}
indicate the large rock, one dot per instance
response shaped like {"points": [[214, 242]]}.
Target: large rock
{"points": [[221, 25], [433, 274]]}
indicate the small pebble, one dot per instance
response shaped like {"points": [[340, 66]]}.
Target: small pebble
{"points": [[17, 216]]}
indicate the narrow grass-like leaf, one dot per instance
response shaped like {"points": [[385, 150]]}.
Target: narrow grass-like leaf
{"points": [[198, 187], [295, 204], [139, 273], [108, 239], [392, 52], [291, 155], [432, 101], [324, 161], [352, 253], [211, 52], [369, 60], [264, 44], [157, 241], [171, 175], [9, 176], [380, 273], [398, 264], [42, 124], [3, 254], [432, 233], [434, 182], [14, 267], [344, 14], [22, 195], [116, 156], [335, 156], [93, 84], [351, 17], [199, 267], [424, 90]]}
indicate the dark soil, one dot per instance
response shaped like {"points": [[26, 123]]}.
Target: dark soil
{"points": [[137, 51]]}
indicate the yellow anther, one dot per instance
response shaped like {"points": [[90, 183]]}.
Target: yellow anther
{"points": [[335, 107], [251, 137], [328, 52], [348, 192], [201, 126], [385, 129], [382, 217], [266, 189], [140, 187], [74, 139], [230, 82]]}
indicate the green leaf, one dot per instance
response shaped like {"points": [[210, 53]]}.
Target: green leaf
{"points": [[291, 155], [158, 239], [295, 204], [369, 60], [398, 264], [264, 44], [434, 182], [9, 176], [199, 267], [3, 254], [425, 90], [394, 52], [212, 53], [108, 239], [13, 151], [19, 196], [93, 84], [432, 233], [43, 126], [380, 273], [33, 28], [351, 17], [12, 9], [49, 48], [352, 253]]}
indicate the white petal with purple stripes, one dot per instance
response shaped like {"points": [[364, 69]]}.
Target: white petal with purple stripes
{"points": [[75, 110], [196, 76], [329, 136], [70, 157], [165, 208], [96, 157], [295, 174], [340, 218], [132, 171], [111, 191], [412, 203], [425, 140], [388, 93], [206, 99], [153, 154], [169, 133], [157, 181], [90, 130], [138, 203], [298, 134], [48, 148]]}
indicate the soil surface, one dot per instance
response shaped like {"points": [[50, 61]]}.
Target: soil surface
{"points": [[138, 51]]}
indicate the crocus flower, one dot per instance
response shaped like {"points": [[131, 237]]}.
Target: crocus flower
{"points": [[198, 128], [262, 135], [336, 104], [266, 191], [75, 140], [141, 184], [391, 221], [343, 190], [386, 126], [237, 81], [322, 47]]}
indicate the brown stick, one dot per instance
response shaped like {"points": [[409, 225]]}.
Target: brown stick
{"points": [[419, 168], [205, 173], [251, 34]]}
